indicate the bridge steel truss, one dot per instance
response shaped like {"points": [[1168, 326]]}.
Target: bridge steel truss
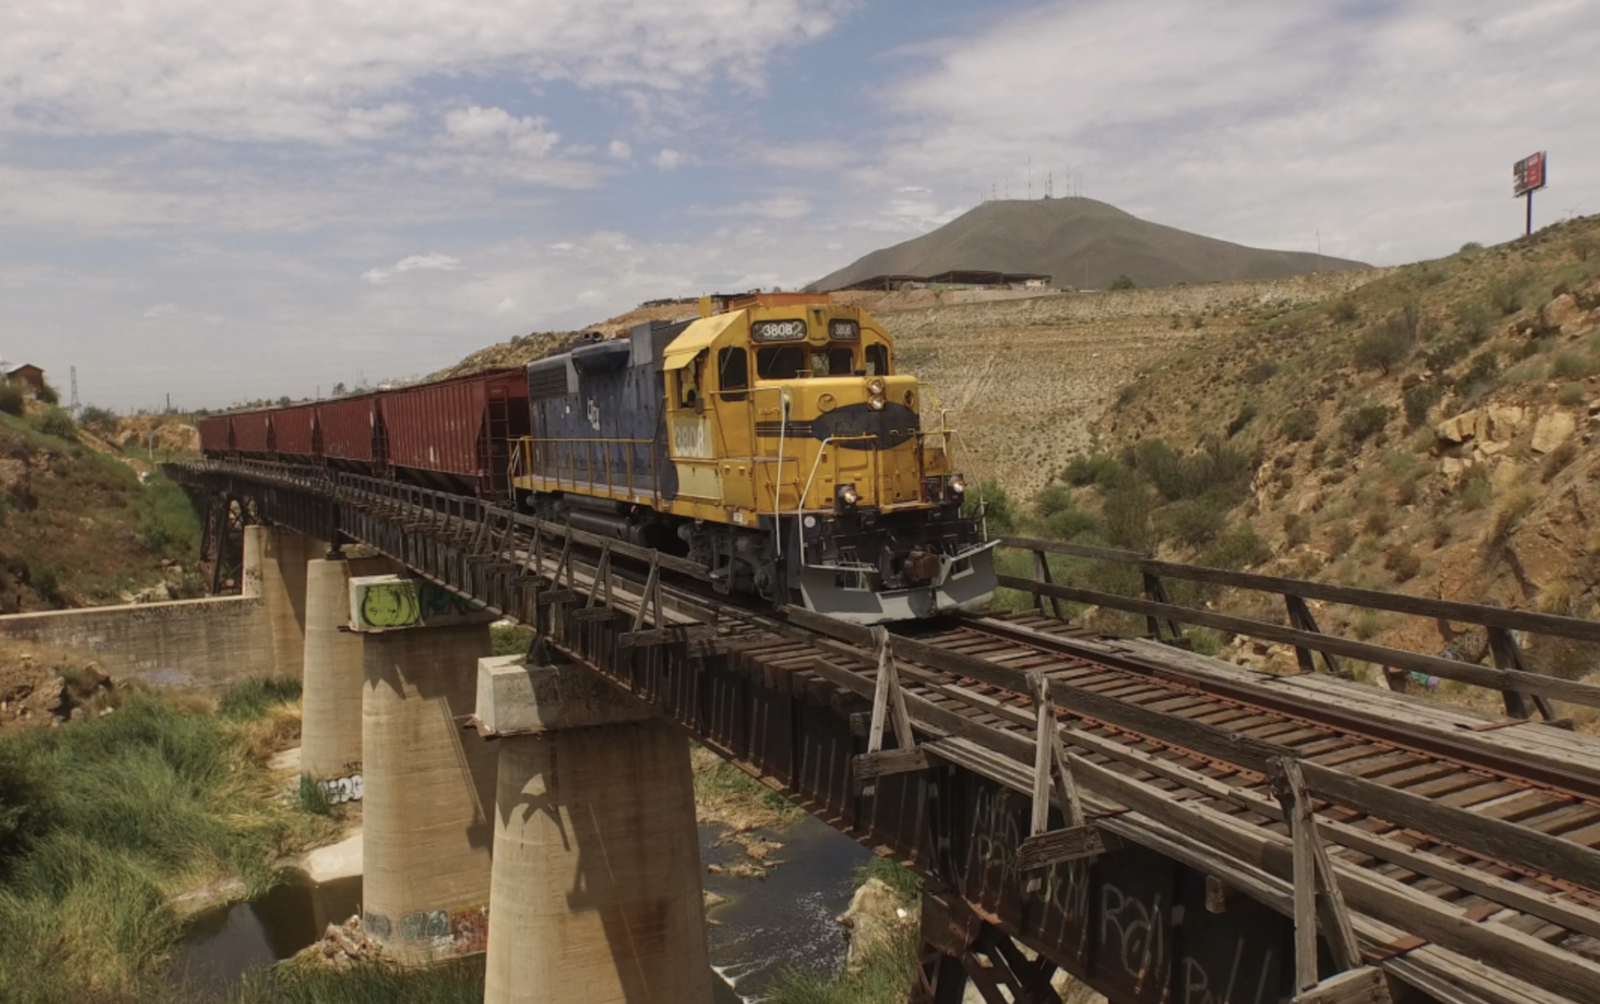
{"points": [[1118, 856]]}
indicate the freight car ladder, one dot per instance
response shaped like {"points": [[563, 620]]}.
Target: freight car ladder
{"points": [[496, 455]]}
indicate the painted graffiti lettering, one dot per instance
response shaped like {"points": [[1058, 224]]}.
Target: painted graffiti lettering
{"points": [[1135, 932], [1197, 982], [424, 925], [377, 926]]}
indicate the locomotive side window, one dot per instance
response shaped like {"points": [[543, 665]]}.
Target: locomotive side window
{"points": [[841, 361], [877, 360], [780, 362], [733, 373]]}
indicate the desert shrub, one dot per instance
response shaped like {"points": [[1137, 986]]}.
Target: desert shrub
{"points": [[1508, 517], [1506, 293], [1219, 468], [48, 394], [1195, 523], [1419, 400], [1052, 499], [1571, 366], [1296, 529], [1071, 524], [1475, 490], [1571, 394], [1237, 548], [1558, 460], [1363, 420], [55, 422], [1443, 530], [1340, 538], [1472, 322], [1126, 517], [992, 499], [11, 399], [1482, 374], [1103, 469], [1344, 310], [96, 417], [1471, 246], [1197, 322], [1444, 353], [1260, 371], [1583, 246], [1300, 425], [1384, 346], [1377, 522], [1403, 562], [1367, 625], [1247, 414], [1122, 282]]}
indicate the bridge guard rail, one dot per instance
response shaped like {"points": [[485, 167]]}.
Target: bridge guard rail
{"points": [[1518, 686]]}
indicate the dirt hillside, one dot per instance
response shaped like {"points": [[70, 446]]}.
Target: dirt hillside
{"points": [[1080, 243]]}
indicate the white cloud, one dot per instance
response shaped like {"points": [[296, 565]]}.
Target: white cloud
{"points": [[498, 128], [779, 207], [434, 262], [619, 150], [668, 159], [161, 310], [330, 71], [1390, 127]]}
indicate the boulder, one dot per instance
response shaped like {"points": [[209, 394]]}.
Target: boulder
{"points": [[1554, 428], [1460, 428], [1560, 312], [874, 915], [1504, 421]]}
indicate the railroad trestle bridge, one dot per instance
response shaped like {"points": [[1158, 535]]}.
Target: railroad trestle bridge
{"points": [[1163, 826]]}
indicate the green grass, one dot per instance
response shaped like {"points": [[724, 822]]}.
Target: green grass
{"points": [[104, 821], [453, 983]]}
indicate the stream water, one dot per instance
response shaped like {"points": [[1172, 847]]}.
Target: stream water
{"points": [[786, 919]]}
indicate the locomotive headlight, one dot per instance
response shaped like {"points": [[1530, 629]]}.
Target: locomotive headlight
{"points": [[875, 387], [957, 485], [876, 403], [848, 495]]}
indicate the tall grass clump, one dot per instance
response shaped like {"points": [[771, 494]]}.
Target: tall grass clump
{"points": [[11, 399], [102, 822], [169, 525], [885, 973], [457, 982]]}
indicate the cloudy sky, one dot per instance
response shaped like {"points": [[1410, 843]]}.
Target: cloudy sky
{"points": [[231, 200]]}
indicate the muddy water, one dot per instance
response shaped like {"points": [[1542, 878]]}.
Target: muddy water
{"points": [[786, 919]]}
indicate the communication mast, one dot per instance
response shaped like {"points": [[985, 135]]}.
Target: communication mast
{"points": [[74, 407]]}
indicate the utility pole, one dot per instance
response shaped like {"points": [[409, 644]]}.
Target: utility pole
{"points": [[74, 407]]}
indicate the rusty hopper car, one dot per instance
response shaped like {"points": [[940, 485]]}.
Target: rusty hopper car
{"points": [[455, 434], [354, 437], [773, 441], [296, 435], [215, 434], [252, 434]]}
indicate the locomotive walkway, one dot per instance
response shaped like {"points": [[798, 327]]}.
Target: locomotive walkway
{"points": [[1161, 825]]}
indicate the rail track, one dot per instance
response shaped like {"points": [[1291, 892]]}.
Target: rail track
{"points": [[1462, 845]]}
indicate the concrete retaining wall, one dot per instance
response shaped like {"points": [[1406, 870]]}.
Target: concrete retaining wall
{"points": [[207, 643]]}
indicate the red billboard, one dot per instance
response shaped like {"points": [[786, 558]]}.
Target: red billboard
{"points": [[1528, 175]]}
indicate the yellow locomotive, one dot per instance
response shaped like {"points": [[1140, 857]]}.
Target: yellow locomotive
{"points": [[771, 439]]}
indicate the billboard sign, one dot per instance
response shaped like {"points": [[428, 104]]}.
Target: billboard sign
{"points": [[1528, 175]]}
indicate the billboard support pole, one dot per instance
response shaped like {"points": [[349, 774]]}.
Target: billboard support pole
{"points": [[1529, 231]]}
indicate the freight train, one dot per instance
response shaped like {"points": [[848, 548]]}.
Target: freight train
{"points": [[771, 439]]}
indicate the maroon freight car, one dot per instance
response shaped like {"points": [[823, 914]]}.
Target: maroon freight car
{"points": [[295, 435], [215, 432], [352, 432], [455, 434], [252, 432]]}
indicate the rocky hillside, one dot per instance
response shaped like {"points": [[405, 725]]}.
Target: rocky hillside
{"points": [[1080, 243], [1432, 431]]}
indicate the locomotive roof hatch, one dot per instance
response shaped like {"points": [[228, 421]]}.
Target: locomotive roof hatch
{"points": [[697, 336]]}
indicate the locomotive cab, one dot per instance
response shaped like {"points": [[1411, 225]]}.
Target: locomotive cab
{"points": [[791, 461]]}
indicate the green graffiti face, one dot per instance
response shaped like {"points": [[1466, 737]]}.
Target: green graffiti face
{"points": [[390, 605]]}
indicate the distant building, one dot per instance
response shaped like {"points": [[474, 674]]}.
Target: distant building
{"points": [[23, 373], [966, 277]]}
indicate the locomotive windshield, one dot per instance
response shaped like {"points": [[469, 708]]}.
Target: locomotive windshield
{"points": [[780, 362]]}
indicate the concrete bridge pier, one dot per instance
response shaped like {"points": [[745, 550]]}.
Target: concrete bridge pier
{"points": [[275, 561], [596, 894], [428, 785], [330, 719]]}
